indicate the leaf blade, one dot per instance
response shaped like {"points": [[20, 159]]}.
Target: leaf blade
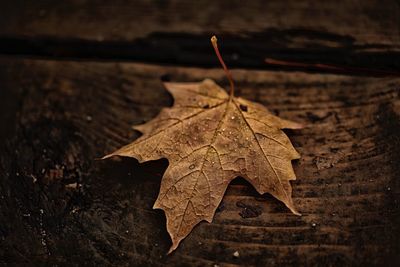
{"points": [[209, 139]]}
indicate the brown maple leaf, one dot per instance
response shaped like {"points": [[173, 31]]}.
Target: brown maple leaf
{"points": [[211, 137]]}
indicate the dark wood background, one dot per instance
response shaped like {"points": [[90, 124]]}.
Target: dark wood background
{"points": [[74, 77]]}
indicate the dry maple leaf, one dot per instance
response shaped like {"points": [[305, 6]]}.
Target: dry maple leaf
{"points": [[209, 138]]}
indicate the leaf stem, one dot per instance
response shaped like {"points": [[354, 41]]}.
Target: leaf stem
{"points": [[227, 72]]}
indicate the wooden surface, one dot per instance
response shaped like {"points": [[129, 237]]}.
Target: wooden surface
{"points": [[358, 33], [367, 22], [64, 104]]}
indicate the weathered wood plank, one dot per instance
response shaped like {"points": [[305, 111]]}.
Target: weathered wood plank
{"points": [[355, 33], [368, 22], [70, 113]]}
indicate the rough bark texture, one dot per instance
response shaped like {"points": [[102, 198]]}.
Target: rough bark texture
{"points": [[61, 206]]}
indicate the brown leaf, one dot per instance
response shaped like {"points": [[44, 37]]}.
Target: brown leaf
{"points": [[209, 139]]}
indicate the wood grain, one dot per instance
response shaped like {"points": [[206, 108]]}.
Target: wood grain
{"points": [[355, 33], [62, 115], [368, 22]]}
